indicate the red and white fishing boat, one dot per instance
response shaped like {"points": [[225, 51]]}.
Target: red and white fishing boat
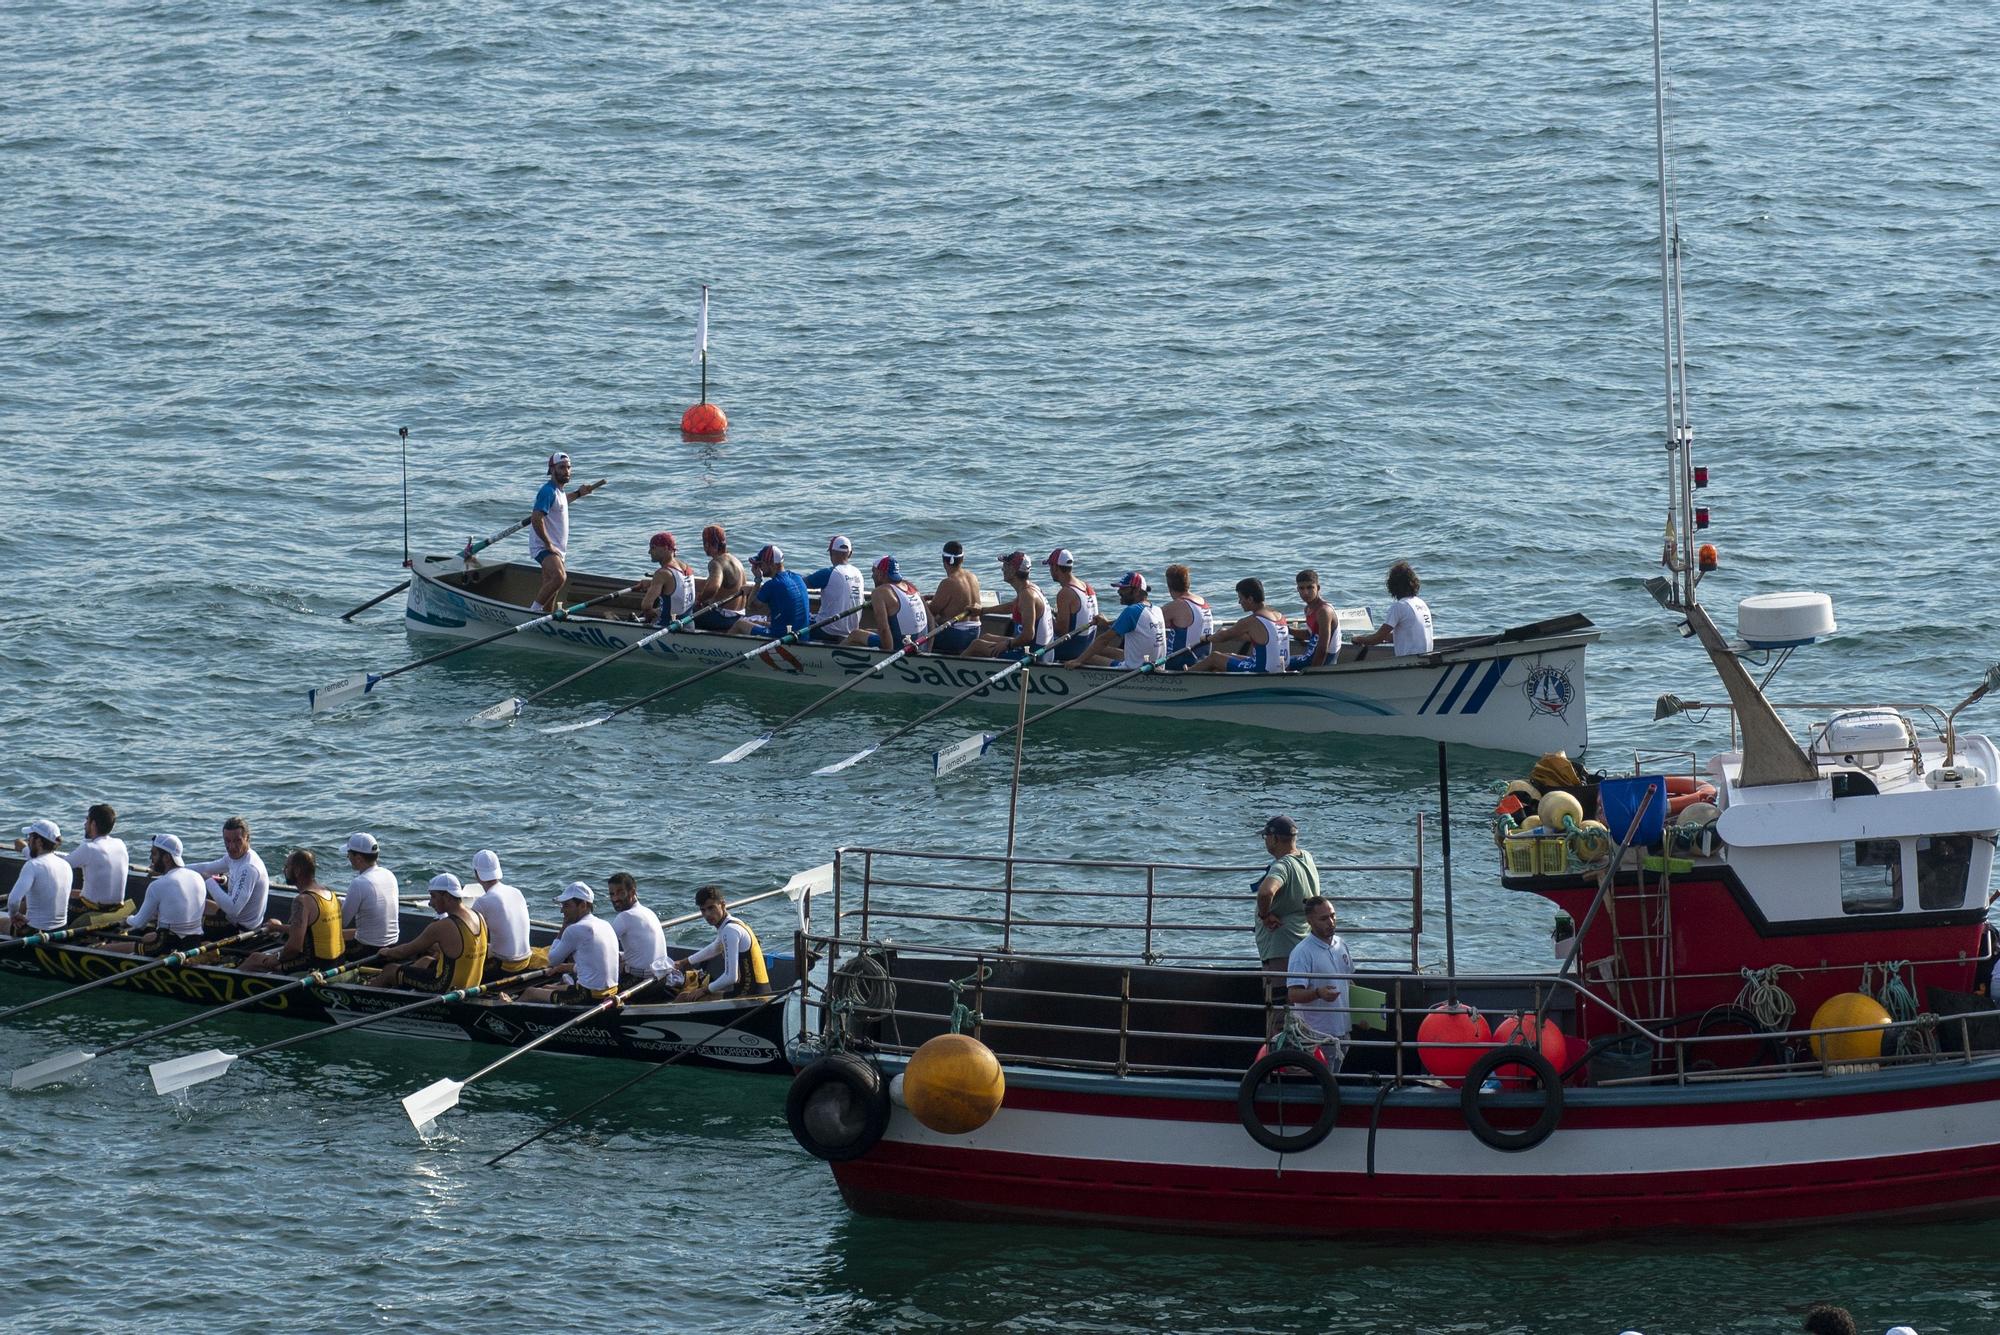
{"points": [[1772, 1009]]}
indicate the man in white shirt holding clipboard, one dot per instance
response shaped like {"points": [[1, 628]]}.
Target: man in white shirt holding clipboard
{"points": [[1320, 981]]}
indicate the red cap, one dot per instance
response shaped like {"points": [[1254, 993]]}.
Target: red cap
{"points": [[1061, 557], [663, 539], [713, 536]]}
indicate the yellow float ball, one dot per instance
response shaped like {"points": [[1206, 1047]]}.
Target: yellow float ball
{"points": [[1842, 1011], [1556, 806], [1527, 792], [1699, 813], [953, 1084], [1592, 841]]}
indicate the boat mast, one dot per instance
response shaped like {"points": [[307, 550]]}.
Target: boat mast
{"points": [[1678, 550]]}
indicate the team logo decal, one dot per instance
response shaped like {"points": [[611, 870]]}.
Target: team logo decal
{"points": [[1549, 691]]}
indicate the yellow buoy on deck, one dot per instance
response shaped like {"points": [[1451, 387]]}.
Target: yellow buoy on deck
{"points": [[1556, 807], [953, 1084], [1842, 1011], [1592, 841]]}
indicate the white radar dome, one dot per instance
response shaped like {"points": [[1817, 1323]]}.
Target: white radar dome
{"points": [[1784, 620]]}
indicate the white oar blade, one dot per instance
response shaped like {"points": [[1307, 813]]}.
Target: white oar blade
{"points": [[179, 1073], [429, 1103], [505, 712], [51, 1071], [337, 693], [813, 881], [959, 754], [731, 757], [848, 763], [572, 727]]}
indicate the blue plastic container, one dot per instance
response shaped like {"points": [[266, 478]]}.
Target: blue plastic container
{"points": [[1621, 798]]}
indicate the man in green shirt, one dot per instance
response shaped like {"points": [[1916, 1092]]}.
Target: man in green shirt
{"points": [[1282, 892]]}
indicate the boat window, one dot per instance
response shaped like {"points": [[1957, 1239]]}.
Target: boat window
{"points": [[1853, 783], [1943, 863], [1871, 876]]}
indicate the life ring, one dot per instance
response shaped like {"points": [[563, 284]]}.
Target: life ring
{"points": [[1679, 785], [1544, 1072], [838, 1107], [1246, 1101]]}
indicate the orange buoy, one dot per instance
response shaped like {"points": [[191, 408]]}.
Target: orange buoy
{"points": [[1447, 1023], [953, 1084], [704, 421], [1523, 1028]]}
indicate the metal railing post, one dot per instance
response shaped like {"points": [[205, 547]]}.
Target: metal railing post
{"points": [[867, 881], [1146, 951], [1417, 898]]}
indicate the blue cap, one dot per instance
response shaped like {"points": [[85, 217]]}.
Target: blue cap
{"points": [[887, 570]]}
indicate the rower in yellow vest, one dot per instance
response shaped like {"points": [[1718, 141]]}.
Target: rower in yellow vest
{"points": [[739, 969], [447, 955], [313, 938]]}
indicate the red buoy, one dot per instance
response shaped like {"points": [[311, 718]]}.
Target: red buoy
{"points": [[704, 421], [1522, 1029], [1447, 1023]]}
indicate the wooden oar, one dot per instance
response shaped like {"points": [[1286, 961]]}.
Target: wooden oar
{"points": [[510, 709], [646, 1074], [40, 938], [873, 670], [176, 958], [963, 752], [337, 693], [59, 1068], [180, 1073], [441, 1096], [790, 637], [966, 694]]}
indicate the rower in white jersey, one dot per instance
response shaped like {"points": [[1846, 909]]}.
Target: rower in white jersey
{"points": [[1138, 635], [369, 911], [1076, 604], [735, 959], [1408, 620], [238, 886], [1263, 634], [39, 901], [839, 584], [505, 910], [895, 609], [669, 591], [170, 917], [587, 951], [1190, 623], [642, 946], [1031, 625], [106, 866], [1322, 626]]}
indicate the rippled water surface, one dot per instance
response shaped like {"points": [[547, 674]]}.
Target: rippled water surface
{"points": [[1253, 286]]}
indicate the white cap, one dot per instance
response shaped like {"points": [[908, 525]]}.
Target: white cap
{"points": [[839, 543], [362, 842], [448, 884], [486, 865], [45, 828], [557, 458], [1901, 1330], [169, 845], [576, 890]]}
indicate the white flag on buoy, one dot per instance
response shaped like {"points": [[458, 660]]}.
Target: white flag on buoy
{"points": [[701, 327]]}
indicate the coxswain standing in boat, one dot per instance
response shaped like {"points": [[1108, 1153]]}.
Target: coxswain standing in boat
{"points": [[587, 951], [779, 604], [955, 605], [895, 609], [1137, 636], [1190, 621], [720, 596], [642, 945], [1322, 626], [669, 591], [370, 910], [239, 887], [172, 908], [1282, 891], [39, 900], [447, 955], [840, 589], [313, 939], [1033, 625], [548, 531], [1265, 638], [742, 972], [1076, 604], [505, 910], [1408, 620], [1319, 980]]}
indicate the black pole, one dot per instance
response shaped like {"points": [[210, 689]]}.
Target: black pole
{"points": [[1444, 834], [403, 434], [704, 375]]}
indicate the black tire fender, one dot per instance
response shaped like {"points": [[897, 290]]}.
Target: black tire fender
{"points": [[1253, 1079], [1512, 1054], [838, 1089]]}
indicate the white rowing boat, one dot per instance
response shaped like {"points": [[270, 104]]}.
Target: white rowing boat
{"points": [[1519, 690]]}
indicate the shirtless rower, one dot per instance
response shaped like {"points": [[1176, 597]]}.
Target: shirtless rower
{"points": [[720, 596], [779, 604], [1032, 625], [448, 954], [1076, 603], [1263, 634], [742, 972], [238, 886], [839, 584], [313, 939], [172, 908], [39, 900], [1190, 622], [370, 911], [895, 610], [1322, 626], [669, 591], [548, 531], [1136, 637], [587, 951], [505, 910], [955, 605]]}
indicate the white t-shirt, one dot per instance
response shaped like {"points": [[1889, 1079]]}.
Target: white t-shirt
{"points": [[370, 907], [1314, 956], [506, 914], [552, 504], [594, 946], [642, 946], [41, 892], [173, 904], [1411, 619], [105, 863], [842, 592], [244, 890]]}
